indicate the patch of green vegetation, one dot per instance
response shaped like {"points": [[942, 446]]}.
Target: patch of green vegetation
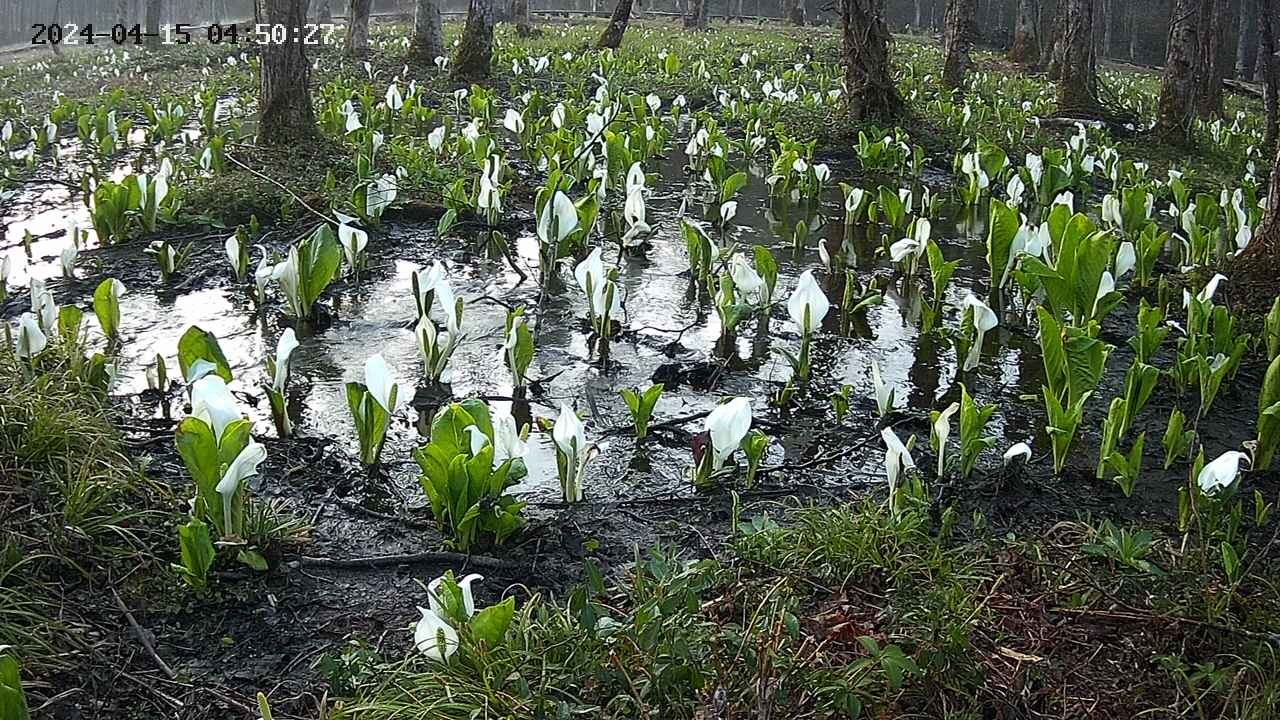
{"points": [[75, 509], [849, 612]]}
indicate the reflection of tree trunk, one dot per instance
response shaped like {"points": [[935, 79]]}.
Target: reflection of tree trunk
{"points": [[1178, 86], [520, 14], [285, 114], [957, 40], [428, 35], [1026, 43], [696, 19], [612, 36], [794, 10], [358, 28], [475, 52], [871, 92], [1209, 94], [1078, 71]]}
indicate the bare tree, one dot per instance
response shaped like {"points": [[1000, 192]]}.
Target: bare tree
{"points": [[152, 21], [428, 33], [123, 12], [1179, 84], [612, 35], [324, 11], [1026, 34], [1246, 39], [1077, 61], [285, 114], [358, 27], [958, 30], [871, 92], [475, 51]]}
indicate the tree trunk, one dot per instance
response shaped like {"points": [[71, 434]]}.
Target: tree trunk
{"points": [[152, 21], [1179, 85], [1078, 70], [871, 92], [957, 40], [1209, 73], [428, 34], [475, 52], [1108, 22], [696, 18], [1269, 66], [358, 27], [1133, 32], [1245, 39], [1026, 44], [794, 10], [520, 14], [612, 36], [122, 12], [324, 11], [285, 115], [1266, 244], [919, 16]]}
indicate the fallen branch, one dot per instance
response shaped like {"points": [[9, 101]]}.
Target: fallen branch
{"points": [[440, 557], [143, 637]]}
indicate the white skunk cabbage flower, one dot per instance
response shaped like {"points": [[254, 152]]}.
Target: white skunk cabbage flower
{"points": [[984, 320], [1016, 189], [808, 305], [591, 272], [507, 444], [284, 353], [1018, 450], [570, 437], [263, 275], [1126, 259], [31, 339], [287, 274], [381, 381], [1221, 473], [213, 403], [435, 139], [1111, 211], [380, 195], [1211, 288], [242, 468], [897, 458], [883, 391], [728, 211], [394, 99], [434, 637], [513, 121], [633, 213], [727, 425], [353, 241], [745, 278], [942, 432], [559, 218]]}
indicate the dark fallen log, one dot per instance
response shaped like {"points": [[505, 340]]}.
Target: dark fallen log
{"points": [[1240, 87]]}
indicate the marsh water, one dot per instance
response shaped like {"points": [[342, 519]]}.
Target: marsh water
{"points": [[669, 334]]}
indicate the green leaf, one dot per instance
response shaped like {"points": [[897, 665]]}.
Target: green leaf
{"points": [[197, 344], [197, 551], [490, 625], [107, 308], [13, 700], [253, 559], [318, 258], [1004, 226]]}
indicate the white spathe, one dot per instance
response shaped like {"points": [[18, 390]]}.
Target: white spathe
{"points": [[727, 425], [284, 352], [984, 320], [31, 339], [559, 218], [434, 637], [212, 402], [242, 468], [808, 305], [380, 381], [1221, 473]]}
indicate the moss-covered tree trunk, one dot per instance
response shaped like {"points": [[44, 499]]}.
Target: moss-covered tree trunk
{"points": [[1212, 25], [428, 34], [475, 51], [1026, 35], [794, 10], [1179, 83], [958, 29], [696, 18], [284, 107], [617, 27], [1078, 70], [520, 15], [871, 92]]}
